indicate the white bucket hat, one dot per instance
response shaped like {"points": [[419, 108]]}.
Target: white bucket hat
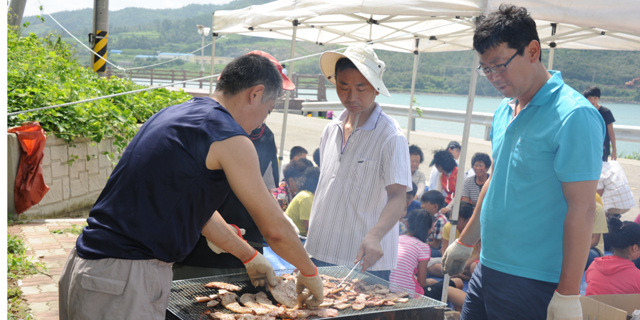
{"points": [[364, 58]]}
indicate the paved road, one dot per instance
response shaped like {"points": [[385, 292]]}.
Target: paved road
{"points": [[306, 131]]}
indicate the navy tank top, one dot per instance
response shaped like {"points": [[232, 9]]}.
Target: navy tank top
{"points": [[161, 194]]}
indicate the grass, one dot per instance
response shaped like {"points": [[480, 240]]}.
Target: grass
{"points": [[19, 265], [632, 156], [75, 229]]}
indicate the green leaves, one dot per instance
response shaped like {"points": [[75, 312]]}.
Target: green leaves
{"points": [[44, 72]]}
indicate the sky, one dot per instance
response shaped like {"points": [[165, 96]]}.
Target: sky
{"points": [[51, 6]]}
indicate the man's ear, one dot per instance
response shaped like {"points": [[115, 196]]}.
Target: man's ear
{"points": [[533, 51], [255, 93]]}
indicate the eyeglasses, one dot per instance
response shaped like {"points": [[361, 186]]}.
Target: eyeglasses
{"points": [[497, 69]]}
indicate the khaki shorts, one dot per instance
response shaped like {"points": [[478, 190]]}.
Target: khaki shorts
{"points": [[114, 288]]}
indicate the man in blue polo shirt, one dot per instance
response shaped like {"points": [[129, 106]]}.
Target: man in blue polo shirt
{"points": [[535, 213]]}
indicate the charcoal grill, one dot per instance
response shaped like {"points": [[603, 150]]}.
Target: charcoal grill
{"points": [[182, 305]]}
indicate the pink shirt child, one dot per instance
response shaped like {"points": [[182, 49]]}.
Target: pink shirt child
{"points": [[612, 275], [410, 251]]}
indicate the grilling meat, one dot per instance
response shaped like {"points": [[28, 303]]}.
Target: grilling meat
{"points": [[356, 295], [229, 316], [285, 292], [249, 301], [223, 285], [261, 298], [222, 316], [229, 302]]}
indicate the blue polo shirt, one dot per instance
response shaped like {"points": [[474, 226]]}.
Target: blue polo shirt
{"points": [[556, 138]]}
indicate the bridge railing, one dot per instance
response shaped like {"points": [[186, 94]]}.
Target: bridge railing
{"points": [[623, 132]]}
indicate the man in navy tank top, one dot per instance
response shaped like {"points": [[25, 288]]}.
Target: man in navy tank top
{"points": [[164, 193]]}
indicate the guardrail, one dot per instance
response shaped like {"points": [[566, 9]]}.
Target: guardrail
{"points": [[623, 132], [161, 76], [308, 86]]}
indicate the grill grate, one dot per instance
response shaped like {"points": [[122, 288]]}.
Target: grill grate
{"points": [[182, 304]]}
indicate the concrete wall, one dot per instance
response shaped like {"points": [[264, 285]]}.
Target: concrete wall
{"points": [[73, 185]]}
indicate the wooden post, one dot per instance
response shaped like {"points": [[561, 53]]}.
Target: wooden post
{"points": [[322, 89], [184, 78]]}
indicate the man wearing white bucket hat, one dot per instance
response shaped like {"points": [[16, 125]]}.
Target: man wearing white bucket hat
{"points": [[365, 170]]}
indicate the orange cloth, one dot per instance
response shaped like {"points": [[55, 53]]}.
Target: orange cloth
{"points": [[448, 182], [30, 187]]}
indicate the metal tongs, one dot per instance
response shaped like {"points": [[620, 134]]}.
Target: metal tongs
{"points": [[351, 274]]}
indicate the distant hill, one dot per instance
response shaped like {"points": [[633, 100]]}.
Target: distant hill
{"points": [[148, 31]]}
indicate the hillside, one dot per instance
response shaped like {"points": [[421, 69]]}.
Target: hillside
{"points": [[145, 31]]}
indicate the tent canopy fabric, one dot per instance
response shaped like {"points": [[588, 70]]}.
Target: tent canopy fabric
{"points": [[440, 25]]}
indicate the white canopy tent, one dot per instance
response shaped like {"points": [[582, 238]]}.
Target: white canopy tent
{"points": [[415, 26], [431, 26], [445, 25]]}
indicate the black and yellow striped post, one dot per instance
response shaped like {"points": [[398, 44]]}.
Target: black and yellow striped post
{"points": [[100, 48], [99, 36]]}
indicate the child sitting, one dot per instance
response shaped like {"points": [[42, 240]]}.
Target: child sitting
{"points": [[410, 273], [299, 210], [616, 274], [432, 201], [411, 205]]}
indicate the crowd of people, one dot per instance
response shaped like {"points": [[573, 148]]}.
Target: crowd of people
{"points": [[199, 191]]}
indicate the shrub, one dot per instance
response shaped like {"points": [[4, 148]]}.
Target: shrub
{"points": [[43, 72]]}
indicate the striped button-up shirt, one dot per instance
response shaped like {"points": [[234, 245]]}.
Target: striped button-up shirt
{"points": [[351, 191]]}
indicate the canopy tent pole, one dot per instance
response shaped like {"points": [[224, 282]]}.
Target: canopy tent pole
{"points": [[461, 166], [213, 52], [552, 46], [410, 121], [287, 92]]}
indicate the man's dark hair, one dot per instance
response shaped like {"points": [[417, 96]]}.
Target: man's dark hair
{"points": [[344, 64], [466, 210], [414, 190], [316, 156], [415, 150], [309, 180], [481, 156], [250, 70], [306, 161], [592, 92], [510, 24], [419, 223], [435, 197], [622, 234], [294, 170], [444, 159], [296, 151]]}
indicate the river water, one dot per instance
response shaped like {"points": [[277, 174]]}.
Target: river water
{"points": [[624, 113]]}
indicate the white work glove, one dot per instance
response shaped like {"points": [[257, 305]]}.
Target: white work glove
{"points": [[564, 307], [218, 250], [260, 270], [455, 258], [312, 283]]}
